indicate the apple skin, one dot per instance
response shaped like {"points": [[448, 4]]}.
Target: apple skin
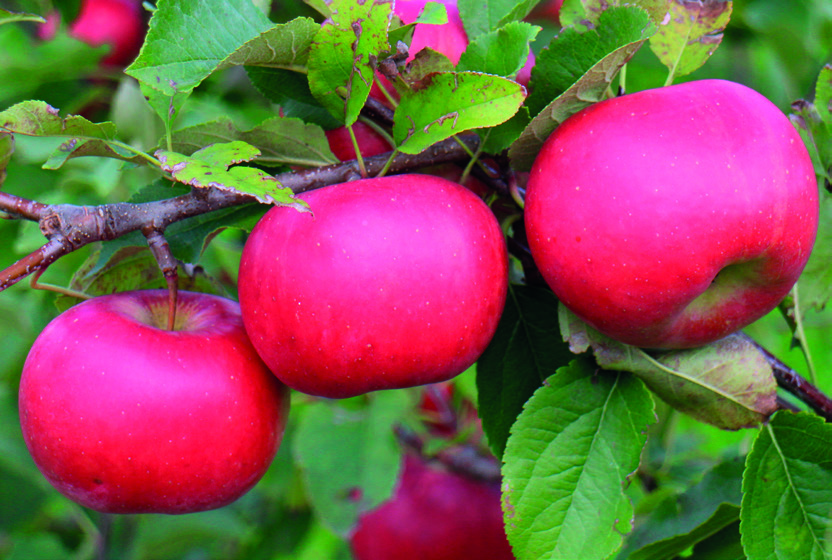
{"points": [[448, 38], [123, 416], [390, 282], [672, 217], [547, 10], [434, 515], [370, 142], [118, 23]]}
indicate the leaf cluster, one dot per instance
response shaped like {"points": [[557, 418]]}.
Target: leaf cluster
{"points": [[586, 429]]}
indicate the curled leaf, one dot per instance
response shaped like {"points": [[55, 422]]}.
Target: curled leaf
{"points": [[728, 383], [210, 167]]}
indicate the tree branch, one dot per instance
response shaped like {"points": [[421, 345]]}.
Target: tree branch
{"points": [[795, 384], [69, 227]]}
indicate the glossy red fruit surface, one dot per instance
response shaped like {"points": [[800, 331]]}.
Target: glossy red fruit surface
{"points": [[124, 416], [673, 217], [434, 515], [388, 283]]}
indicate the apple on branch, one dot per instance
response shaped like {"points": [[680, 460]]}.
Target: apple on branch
{"points": [[124, 416], [389, 282], [672, 217]]}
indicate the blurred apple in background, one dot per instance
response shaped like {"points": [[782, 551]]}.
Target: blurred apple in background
{"points": [[117, 23], [434, 514]]}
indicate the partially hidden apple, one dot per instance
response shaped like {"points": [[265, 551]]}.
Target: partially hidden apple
{"points": [[124, 416], [434, 514], [448, 38], [389, 282], [548, 10], [117, 23], [370, 142], [672, 217]]}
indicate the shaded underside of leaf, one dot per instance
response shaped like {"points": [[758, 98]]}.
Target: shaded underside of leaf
{"points": [[280, 140], [728, 383], [525, 351]]}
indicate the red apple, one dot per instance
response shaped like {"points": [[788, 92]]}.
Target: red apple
{"points": [[370, 142], [448, 38], [390, 282], [124, 416], [434, 515], [548, 10], [117, 23], [673, 217]]}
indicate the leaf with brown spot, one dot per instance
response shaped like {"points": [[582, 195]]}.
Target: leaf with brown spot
{"points": [[210, 167], [690, 33]]}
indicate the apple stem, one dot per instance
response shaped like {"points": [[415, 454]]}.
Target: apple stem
{"points": [[169, 265], [362, 169]]}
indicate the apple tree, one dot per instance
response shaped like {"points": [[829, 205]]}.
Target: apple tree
{"points": [[545, 280]]}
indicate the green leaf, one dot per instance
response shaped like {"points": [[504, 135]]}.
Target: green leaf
{"points": [[722, 545], [570, 454], [603, 51], [448, 103], [815, 284], [172, 65], [6, 151], [427, 61], [690, 34], [290, 91], [209, 168], [503, 51], [341, 59], [814, 123], [483, 16], [286, 45], [787, 490], [349, 456], [167, 107], [681, 521], [163, 537], [84, 138], [583, 12], [525, 350], [728, 384], [26, 64], [500, 137], [433, 13], [132, 268], [280, 140], [37, 545], [7, 16]]}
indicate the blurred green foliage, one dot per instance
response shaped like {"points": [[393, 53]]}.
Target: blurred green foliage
{"points": [[773, 46]]}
